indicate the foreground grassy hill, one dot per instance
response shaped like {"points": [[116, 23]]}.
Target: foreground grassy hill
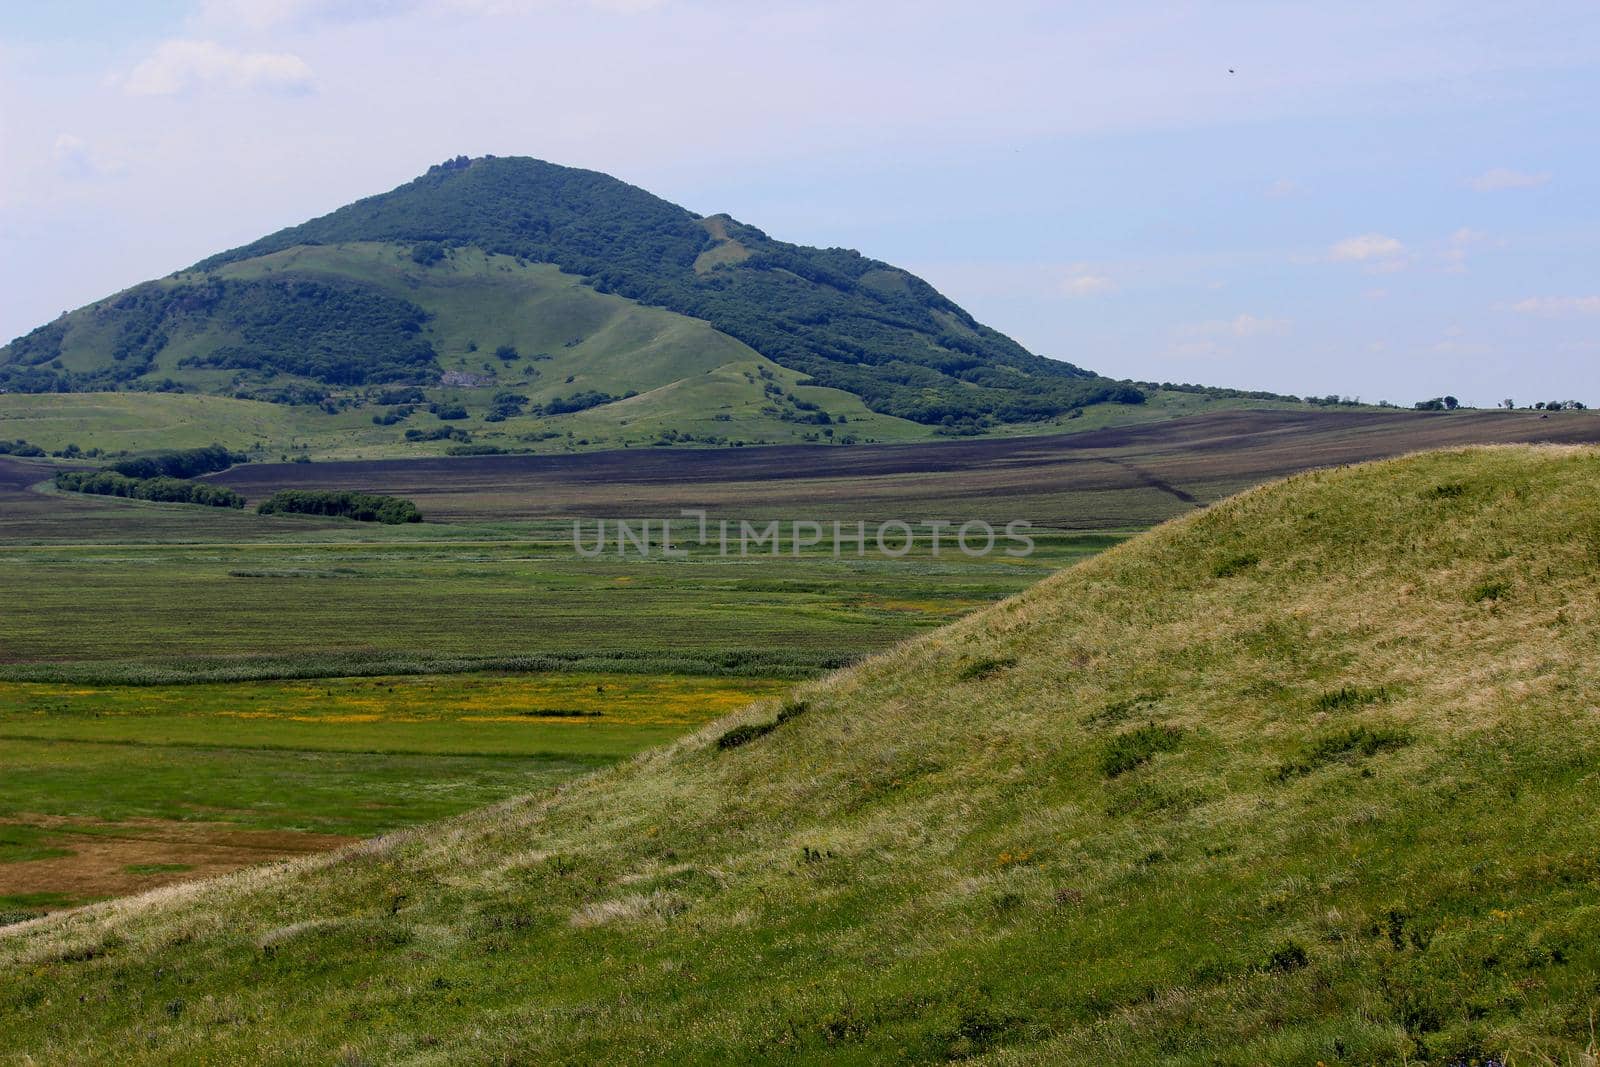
{"points": [[1304, 777]]}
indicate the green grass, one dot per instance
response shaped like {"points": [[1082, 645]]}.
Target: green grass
{"points": [[163, 612], [921, 869], [151, 767]]}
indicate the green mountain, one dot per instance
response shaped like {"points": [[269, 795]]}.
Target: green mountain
{"points": [[510, 289], [1305, 777]]}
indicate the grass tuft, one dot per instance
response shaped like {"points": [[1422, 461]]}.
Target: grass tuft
{"points": [[980, 669], [1137, 747], [1232, 565], [1351, 696], [1358, 742]]}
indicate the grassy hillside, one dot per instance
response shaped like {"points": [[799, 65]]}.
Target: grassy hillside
{"points": [[455, 281], [1303, 777]]}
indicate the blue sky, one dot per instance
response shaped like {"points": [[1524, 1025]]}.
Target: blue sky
{"points": [[1388, 200]]}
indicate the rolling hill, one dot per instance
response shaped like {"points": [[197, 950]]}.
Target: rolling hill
{"points": [[1305, 777], [518, 301]]}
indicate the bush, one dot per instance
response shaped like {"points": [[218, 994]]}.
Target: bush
{"points": [[581, 401], [448, 412], [442, 433], [427, 253], [363, 507], [19, 447]]}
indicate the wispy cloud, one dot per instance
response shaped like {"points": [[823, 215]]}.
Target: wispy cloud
{"points": [[184, 66], [268, 14], [1083, 281], [1243, 325], [1282, 189], [1558, 305], [76, 160], [1379, 253], [1501, 178], [1455, 253]]}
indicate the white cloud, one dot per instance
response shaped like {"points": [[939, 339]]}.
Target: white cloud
{"points": [[1082, 282], [523, 7], [1379, 253], [1243, 325], [268, 14], [257, 15], [1283, 188], [1558, 305], [182, 66], [1366, 247], [1455, 254], [1500, 178]]}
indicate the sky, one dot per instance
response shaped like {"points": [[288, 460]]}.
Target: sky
{"points": [[1380, 200]]}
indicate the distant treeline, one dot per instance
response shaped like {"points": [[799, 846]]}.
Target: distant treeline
{"points": [[19, 447], [188, 463], [162, 489], [343, 504]]}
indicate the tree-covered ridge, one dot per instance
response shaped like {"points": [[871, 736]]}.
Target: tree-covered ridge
{"points": [[845, 320], [342, 334]]}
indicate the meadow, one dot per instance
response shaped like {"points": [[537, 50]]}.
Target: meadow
{"points": [[174, 677], [1279, 782]]}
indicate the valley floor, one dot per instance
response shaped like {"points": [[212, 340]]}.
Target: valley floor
{"points": [[185, 690]]}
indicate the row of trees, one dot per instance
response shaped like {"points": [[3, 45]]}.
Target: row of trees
{"points": [[184, 463], [337, 503], [161, 489]]}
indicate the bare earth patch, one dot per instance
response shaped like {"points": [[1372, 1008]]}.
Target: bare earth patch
{"points": [[116, 858]]}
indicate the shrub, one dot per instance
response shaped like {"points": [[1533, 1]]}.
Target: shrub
{"points": [[581, 401], [441, 433]]}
